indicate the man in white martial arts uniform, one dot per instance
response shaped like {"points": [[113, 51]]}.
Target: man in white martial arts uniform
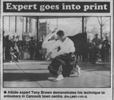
{"points": [[64, 62], [51, 45]]}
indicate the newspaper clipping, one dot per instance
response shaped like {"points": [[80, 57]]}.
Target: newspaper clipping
{"points": [[56, 49]]}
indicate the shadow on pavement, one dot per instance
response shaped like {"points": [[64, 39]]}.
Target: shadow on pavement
{"points": [[25, 77]]}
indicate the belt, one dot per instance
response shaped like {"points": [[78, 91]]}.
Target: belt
{"points": [[71, 53]]}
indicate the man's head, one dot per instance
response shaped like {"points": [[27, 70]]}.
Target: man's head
{"points": [[17, 37], [106, 37], [7, 37], [3, 33], [32, 38], [96, 35], [41, 39], [60, 35]]}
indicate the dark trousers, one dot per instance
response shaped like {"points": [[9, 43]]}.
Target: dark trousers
{"points": [[7, 55], [31, 53], [63, 64]]}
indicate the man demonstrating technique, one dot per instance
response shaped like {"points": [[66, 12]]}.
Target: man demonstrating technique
{"points": [[64, 63]]}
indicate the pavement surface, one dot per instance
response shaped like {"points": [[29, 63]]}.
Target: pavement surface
{"points": [[34, 74]]}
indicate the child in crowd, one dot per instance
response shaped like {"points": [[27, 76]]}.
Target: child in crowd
{"points": [[14, 53]]}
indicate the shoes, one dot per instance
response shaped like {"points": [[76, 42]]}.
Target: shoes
{"points": [[59, 78], [18, 60], [51, 78], [77, 73], [11, 61], [56, 79]]}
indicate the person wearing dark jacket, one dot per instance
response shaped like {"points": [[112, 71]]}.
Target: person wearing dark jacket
{"points": [[32, 48], [8, 45], [105, 50]]}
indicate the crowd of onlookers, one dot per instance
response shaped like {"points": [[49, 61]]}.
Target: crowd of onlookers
{"points": [[10, 48], [16, 49], [98, 49]]}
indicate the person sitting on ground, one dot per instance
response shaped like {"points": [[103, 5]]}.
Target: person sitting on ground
{"points": [[15, 53], [64, 63]]}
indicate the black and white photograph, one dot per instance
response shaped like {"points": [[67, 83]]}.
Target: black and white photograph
{"points": [[56, 51]]}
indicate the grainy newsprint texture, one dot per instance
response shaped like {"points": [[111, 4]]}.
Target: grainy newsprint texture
{"points": [[56, 50]]}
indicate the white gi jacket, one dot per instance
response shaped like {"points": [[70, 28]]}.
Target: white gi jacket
{"points": [[67, 46]]}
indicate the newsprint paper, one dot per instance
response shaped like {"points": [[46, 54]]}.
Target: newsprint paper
{"points": [[56, 49]]}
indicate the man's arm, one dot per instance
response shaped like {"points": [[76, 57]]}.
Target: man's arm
{"points": [[64, 49]]}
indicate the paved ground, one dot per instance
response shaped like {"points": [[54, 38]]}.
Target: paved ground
{"points": [[35, 74]]}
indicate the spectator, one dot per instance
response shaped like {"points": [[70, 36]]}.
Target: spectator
{"points": [[105, 50], [4, 45], [96, 41], [32, 48], [15, 52], [8, 46], [89, 46], [95, 48]]}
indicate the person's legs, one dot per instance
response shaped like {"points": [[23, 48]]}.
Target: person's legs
{"points": [[76, 71], [59, 74], [31, 54], [62, 66], [59, 78], [56, 69], [6, 55], [11, 57], [17, 56]]}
